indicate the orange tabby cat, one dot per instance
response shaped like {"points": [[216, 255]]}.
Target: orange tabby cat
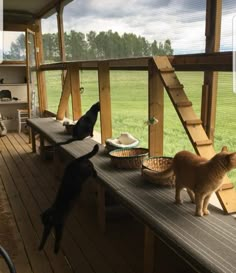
{"points": [[200, 176]]}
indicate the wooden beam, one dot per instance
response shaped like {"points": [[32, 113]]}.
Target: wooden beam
{"points": [[42, 93], [61, 32], [64, 97], [20, 27], [218, 61], [155, 109], [61, 42], [105, 100], [75, 92], [50, 6], [213, 29]]}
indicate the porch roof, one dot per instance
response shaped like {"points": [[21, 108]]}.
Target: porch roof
{"points": [[27, 11]]}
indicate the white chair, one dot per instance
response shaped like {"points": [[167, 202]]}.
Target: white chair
{"points": [[22, 115]]}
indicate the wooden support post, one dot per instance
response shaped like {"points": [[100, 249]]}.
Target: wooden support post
{"points": [[71, 86], [105, 100], [149, 250], [156, 109], [61, 42], [101, 207], [64, 98], [42, 97], [33, 140], [75, 92], [209, 94]]}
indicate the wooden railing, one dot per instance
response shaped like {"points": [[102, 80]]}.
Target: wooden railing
{"points": [[156, 83]]}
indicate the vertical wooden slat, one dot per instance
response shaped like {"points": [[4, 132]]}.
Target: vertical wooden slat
{"points": [[105, 100], [213, 30], [61, 31], [61, 43], [204, 105], [75, 92], [42, 93], [149, 250], [156, 109]]}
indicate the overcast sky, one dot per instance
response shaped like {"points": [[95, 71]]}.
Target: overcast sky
{"points": [[181, 21]]}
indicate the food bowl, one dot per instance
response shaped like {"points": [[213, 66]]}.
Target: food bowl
{"points": [[153, 167], [128, 158], [68, 127]]}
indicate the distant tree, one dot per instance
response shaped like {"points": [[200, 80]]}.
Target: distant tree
{"points": [[92, 49], [102, 45], [76, 45], [50, 46], [17, 49], [167, 48]]}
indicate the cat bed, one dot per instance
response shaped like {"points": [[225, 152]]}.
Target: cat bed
{"points": [[125, 140], [128, 158], [152, 166]]}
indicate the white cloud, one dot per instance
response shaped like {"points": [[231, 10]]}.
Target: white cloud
{"points": [[156, 20]]}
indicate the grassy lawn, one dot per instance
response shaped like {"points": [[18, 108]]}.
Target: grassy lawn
{"points": [[129, 106]]}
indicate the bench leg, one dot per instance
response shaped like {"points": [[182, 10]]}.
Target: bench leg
{"points": [[149, 251], [32, 138], [101, 207]]}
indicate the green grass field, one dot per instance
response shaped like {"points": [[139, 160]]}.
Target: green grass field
{"points": [[129, 99]]}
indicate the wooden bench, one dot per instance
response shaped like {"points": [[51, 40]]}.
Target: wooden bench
{"points": [[48, 129], [208, 243]]}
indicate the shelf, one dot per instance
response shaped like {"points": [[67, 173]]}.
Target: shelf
{"points": [[13, 102], [13, 84]]}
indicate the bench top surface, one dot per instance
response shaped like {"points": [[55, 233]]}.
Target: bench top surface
{"points": [[208, 243], [50, 128]]}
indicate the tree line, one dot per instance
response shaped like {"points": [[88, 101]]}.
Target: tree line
{"points": [[102, 45]]}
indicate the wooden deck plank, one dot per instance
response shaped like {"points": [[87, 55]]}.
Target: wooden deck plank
{"points": [[75, 256], [30, 186], [20, 202], [97, 256], [10, 238], [90, 249]]}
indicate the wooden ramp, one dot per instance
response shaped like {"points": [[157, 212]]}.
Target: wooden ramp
{"points": [[193, 126]]}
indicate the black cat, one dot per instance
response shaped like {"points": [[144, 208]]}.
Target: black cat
{"points": [[75, 175], [85, 125]]}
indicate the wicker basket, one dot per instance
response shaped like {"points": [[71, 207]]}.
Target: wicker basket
{"points": [[157, 165], [128, 158]]}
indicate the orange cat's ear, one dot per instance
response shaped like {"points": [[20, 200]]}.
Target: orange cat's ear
{"points": [[224, 149]]}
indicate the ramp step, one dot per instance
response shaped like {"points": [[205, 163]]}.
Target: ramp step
{"points": [[226, 186], [167, 70], [183, 103], [175, 86], [203, 142]]}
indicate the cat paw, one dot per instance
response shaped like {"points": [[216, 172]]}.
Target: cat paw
{"points": [[206, 212], [199, 213], [178, 202]]}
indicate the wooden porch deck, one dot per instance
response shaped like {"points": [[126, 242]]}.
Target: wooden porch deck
{"points": [[27, 187]]}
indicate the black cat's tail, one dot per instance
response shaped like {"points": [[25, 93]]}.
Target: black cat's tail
{"points": [[90, 154]]}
